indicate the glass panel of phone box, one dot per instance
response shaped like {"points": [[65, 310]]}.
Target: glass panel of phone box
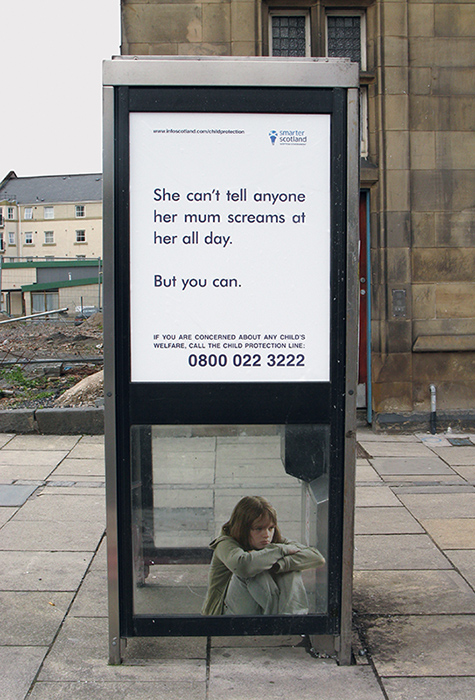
{"points": [[230, 520]]}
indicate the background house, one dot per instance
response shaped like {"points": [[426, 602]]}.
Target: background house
{"points": [[417, 216], [51, 242]]}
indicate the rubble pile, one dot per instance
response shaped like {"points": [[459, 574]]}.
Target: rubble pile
{"points": [[73, 352]]}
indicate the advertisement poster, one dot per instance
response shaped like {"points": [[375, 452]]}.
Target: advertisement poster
{"points": [[229, 247]]}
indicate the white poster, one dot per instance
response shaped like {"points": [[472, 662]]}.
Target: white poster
{"points": [[230, 247]]}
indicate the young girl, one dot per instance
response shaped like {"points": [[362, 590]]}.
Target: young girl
{"points": [[254, 570]]}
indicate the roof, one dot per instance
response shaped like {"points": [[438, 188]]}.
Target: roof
{"points": [[52, 188]]}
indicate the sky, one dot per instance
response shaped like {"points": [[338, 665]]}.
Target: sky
{"points": [[51, 54]]}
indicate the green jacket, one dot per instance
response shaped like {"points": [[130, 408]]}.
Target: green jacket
{"points": [[230, 558]]}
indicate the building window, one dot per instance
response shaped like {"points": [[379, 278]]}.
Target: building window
{"points": [[80, 236], [2, 243], [49, 237], [289, 33], [10, 213], [44, 301], [49, 212], [346, 36], [80, 211], [28, 238], [11, 238], [28, 212]]}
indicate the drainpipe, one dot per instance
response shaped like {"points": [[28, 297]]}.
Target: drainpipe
{"points": [[433, 412]]}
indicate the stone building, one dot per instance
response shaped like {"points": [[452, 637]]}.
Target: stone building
{"points": [[417, 170]]}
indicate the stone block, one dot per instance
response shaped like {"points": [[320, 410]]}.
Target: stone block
{"points": [[420, 81], [422, 112], [392, 397], [399, 336], [455, 229], [395, 51], [396, 80], [156, 23], [398, 228], [423, 150], [443, 264], [216, 23], [444, 327], [455, 150], [394, 19], [243, 18], [454, 81], [456, 113], [164, 48], [397, 150], [423, 228], [394, 365], [397, 112], [20, 420], [423, 300], [244, 48], [455, 300], [421, 20], [454, 20], [458, 187], [203, 49], [70, 421], [399, 271]]}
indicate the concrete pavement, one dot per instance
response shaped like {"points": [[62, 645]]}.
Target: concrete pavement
{"points": [[414, 596]]}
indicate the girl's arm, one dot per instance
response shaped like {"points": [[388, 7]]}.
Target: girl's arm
{"points": [[302, 558], [249, 564]]}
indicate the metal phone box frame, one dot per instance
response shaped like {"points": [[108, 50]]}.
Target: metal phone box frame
{"points": [[294, 105]]}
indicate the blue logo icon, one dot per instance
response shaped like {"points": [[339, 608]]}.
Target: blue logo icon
{"points": [[273, 136]]}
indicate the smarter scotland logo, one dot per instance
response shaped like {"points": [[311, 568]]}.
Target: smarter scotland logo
{"points": [[288, 137]]}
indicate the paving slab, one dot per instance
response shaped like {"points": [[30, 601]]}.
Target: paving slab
{"points": [[410, 465], [42, 571], [375, 496], [81, 651], [43, 442], [5, 438], [366, 473], [451, 533], [467, 473], [87, 450], [123, 690], [18, 667], [60, 536], [446, 505], [272, 673], [57, 507], [464, 560], [250, 449], [183, 445], [31, 618], [258, 642], [15, 494], [395, 449], [6, 514], [385, 521], [450, 478], [430, 688], [20, 458], [412, 593], [367, 434], [91, 599], [80, 467], [433, 440], [457, 455], [393, 552], [423, 645], [25, 472]]}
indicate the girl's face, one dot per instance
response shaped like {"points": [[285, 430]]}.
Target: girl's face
{"points": [[262, 533]]}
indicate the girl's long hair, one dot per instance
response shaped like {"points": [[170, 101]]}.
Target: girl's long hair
{"points": [[245, 513]]}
